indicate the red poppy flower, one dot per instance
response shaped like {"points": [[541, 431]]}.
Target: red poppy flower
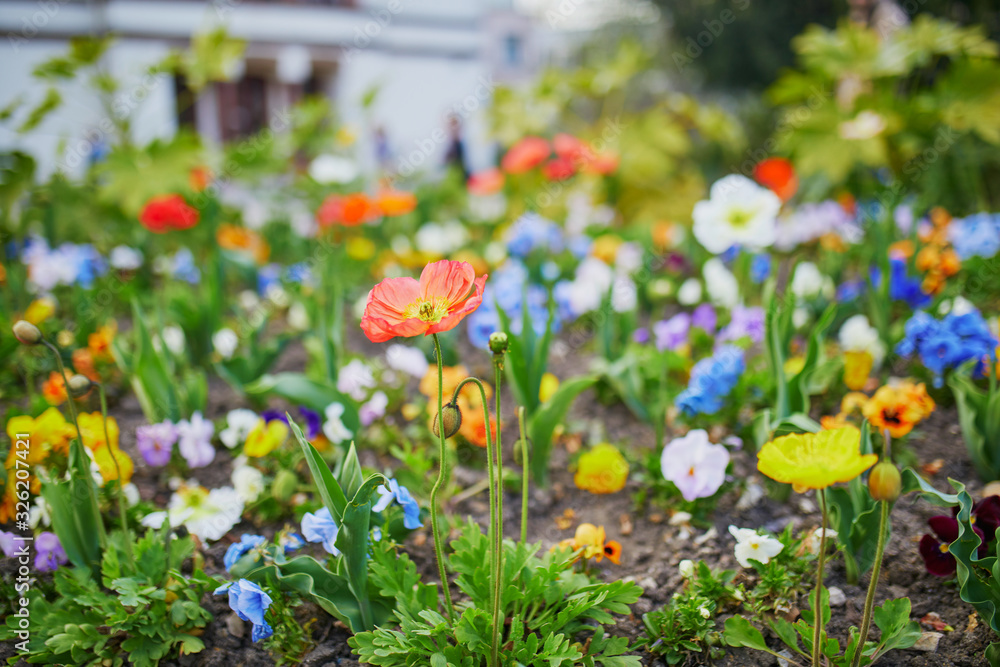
{"points": [[446, 292], [778, 175], [569, 147], [163, 213], [485, 182], [559, 169], [348, 210], [525, 155], [603, 164]]}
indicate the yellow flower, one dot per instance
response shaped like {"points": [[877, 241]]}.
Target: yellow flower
{"points": [[857, 366], [92, 430], [40, 310], [265, 438], [815, 460], [601, 470], [548, 386], [591, 539], [360, 248], [106, 464], [794, 365], [47, 432]]}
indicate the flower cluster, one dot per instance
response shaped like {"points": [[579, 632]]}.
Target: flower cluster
{"points": [[711, 381], [571, 156], [949, 342]]}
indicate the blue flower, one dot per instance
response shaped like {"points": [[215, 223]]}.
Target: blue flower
{"points": [[483, 322], [238, 549], [299, 273], [850, 290], [314, 424], [250, 603], [904, 288], [411, 510], [533, 232], [290, 541], [182, 267], [267, 277], [712, 379], [760, 267], [320, 527], [948, 343], [974, 235]]}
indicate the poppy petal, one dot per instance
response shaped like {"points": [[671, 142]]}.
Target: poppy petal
{"points": [[451, 320], [447, 280]]}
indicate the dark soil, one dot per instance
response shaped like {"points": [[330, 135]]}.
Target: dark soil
{"points": [[652, 548]]}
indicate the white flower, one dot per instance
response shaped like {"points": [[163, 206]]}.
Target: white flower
{"points": [[866, 125], [125, 258], [333, 427], [689, 293], [723, 288], [195, 440], [808, 282], [225, 341], [277, 295], [131, 492], [374, 409], [239, 423], [959, 306], [738, 211], [800, 316], [750, 545], [248, 300], [407, 360], [628, 258], [209, 515], [173, 338], [441, 239], [255, 214], [355, 379], [857, 335], [686, 568], [39, 514], [298, 317], [248, 482], [327, 169], [624, 295], [587, 291], [705, 611]]}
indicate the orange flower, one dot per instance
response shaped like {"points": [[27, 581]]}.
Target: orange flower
{"points": [[525, 155], [396, 202], [902, 249], [99, 343], [243, 240], [569, 147], [54, 389], [451, 376], [473, 426], [83, 363], [603, 164], [199, 178], [446, 292], [485, 182], [940, 217], [349, 211], [777, 175], [898, 407]]}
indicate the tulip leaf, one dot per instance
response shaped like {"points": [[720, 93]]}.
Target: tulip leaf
{"points": [[297, 388], [352, 541], [542, 424], [329, 489], [979, 418]]}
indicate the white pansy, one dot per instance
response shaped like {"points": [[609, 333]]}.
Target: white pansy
{"points": [[239, 423], [355, 379], [225, 341], [686, 568], [173, 338], [208, 515], [858, 335], [328, 169], [809, 282], [125, 258], [406, 359], [722, 286], [333, 427], [689, 293], [738, 211], [39, 514], [298, 316], [131, 493], [248, 482], [752, 546]]}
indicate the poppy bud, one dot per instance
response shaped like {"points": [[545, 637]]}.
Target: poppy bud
{"points": [[284, 485], [452, 420], [79, 385], [884, 482], [27, 333], [498, 342]]}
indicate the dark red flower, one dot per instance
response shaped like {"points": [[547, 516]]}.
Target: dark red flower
{"points": [[163, 213], [935, 549], [559, 169]]}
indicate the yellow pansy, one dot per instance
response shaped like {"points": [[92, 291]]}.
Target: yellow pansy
{"points": [[857, 367], [106, 464], [548, 387], [40, 310], [265, 438], [591, 539], [92, 430], [601, 470], [815, 460], [47, 432]]}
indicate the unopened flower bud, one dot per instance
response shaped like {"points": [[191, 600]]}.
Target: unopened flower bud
{"points": [[78, 385], [498, 342], [884, 482], [284, 486], [27, 333], [452, 420]]}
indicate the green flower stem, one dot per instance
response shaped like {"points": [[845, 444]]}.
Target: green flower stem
{"points": [[524, 476], [866, 622], [441, 479], [118, 472], [817, 652], [101, 534], [498, 545]]}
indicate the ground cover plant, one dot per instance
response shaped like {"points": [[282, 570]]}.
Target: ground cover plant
{"points": [[613, 402]]}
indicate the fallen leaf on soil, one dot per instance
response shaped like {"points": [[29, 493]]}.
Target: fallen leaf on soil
{"points": [[933, 468], [656, 518], [625, 524], [973, 622], [572, 443], [566, 519], [932, 621]]}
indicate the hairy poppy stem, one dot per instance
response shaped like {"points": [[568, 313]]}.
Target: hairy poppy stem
{"points": [[498, 531], [524, 475], [817, 651], [866, 621], [441, 478]]}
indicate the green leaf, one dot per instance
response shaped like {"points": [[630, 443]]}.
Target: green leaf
{"points": [[352, 540], [893, 619], [300, 390], [543, 423], [329, 489], [738, 632]]}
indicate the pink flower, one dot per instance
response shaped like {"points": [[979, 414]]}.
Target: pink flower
{"points": [[694, 465]]}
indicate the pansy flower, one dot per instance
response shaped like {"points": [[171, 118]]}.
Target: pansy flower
{"points": [[250, 603], [391, 492], [239, 549], [935, 547]]}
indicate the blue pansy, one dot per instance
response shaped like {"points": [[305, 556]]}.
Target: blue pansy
{"points": [[760, 267], [320, 527], [711, 380], [290, 541], [948, 343], [238, 549], [975, 235], [182, 267], [400, 494], [267, 277], [250, 603]]}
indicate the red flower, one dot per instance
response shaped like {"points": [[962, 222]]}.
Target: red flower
{"points": [[559, 169], [604, 164], [163, 213], [569, 147], [778, 175], [446, 292], [348, 210], [525, 155], [485, 182]]}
